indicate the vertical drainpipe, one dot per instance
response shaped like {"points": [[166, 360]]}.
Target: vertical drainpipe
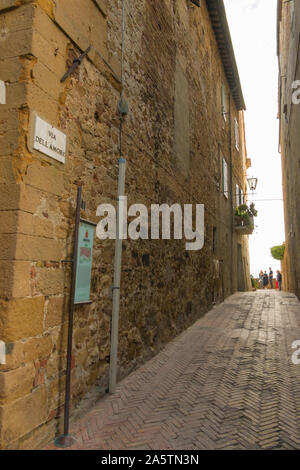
{"points": [[231, 193]]}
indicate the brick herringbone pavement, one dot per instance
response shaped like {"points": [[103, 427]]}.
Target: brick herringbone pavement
{"points": [[228, 382]]}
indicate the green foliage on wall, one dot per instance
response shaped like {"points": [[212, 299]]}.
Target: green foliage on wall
{"points": [[278, 252]]}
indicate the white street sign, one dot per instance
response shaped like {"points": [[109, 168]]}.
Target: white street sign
{"points": [[49, 140]]}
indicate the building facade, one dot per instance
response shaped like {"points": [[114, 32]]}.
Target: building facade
{"points": [[184, 143], [289, 116]]}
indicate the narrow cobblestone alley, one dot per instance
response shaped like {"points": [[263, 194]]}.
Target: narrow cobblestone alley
{"points": [[228, 382]]}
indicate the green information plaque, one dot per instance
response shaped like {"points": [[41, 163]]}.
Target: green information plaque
{"points": [[84, 262]]}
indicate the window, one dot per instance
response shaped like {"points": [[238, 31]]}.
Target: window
{"points": [[239, 196], [223, 100], [225, 177], [236, 134]]}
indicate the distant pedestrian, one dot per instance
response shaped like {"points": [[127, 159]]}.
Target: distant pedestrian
{"points": [[261, 279], [266, 280], [271, 277], [279, 279]]}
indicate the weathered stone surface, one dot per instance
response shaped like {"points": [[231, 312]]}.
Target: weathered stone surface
{"points": [[16, 32], [35, 248], [8, 221], [6, 171], [45, 177], [102, 4], [50, 281], [14, 279], [173, 139], [289, 114], [22, 416], [37, 348], [14, 356], [56, 396], [56, 311], [11, 70], [9, 196], [39, 437], [16, 383], [57, 363], [71, 20], [21, 318]]}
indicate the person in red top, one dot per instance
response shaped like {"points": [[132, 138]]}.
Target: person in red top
{"points": [[279, 279]]}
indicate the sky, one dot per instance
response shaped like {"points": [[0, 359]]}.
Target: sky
{"points": [[252, 25]]}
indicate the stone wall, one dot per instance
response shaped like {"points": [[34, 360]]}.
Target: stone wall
{"points": [[289, 113], [174, 140]]}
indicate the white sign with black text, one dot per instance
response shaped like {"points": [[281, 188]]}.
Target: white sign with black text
{"points": [[49, 140]]}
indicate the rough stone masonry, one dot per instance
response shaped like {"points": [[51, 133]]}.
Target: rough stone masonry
{"points": [[175, 139]]}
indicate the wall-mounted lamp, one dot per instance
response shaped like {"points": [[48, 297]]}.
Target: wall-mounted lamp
{"points": [[252, 182]]}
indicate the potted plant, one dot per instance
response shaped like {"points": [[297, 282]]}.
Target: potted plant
{"points": [[244, 215]]}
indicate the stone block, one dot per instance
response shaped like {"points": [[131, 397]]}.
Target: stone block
{"points": [[22, 416], [16, 95], [9, 119], [9, 196], [35, 248], [7, 246], [6, 4], [42, 227], [14, 356], [16, 383], [9, 141], [6, 172], [40, 437], [14, 279], [8, 221], [50, 281], [60, 339], [45, 177], [78, 27], [15, 43], [38, 348], [56, 364], [11, 70], [56, 311], [56, 396], [50, 46], [102, 4], [21, 318], [40, 101], [47, 80]]}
